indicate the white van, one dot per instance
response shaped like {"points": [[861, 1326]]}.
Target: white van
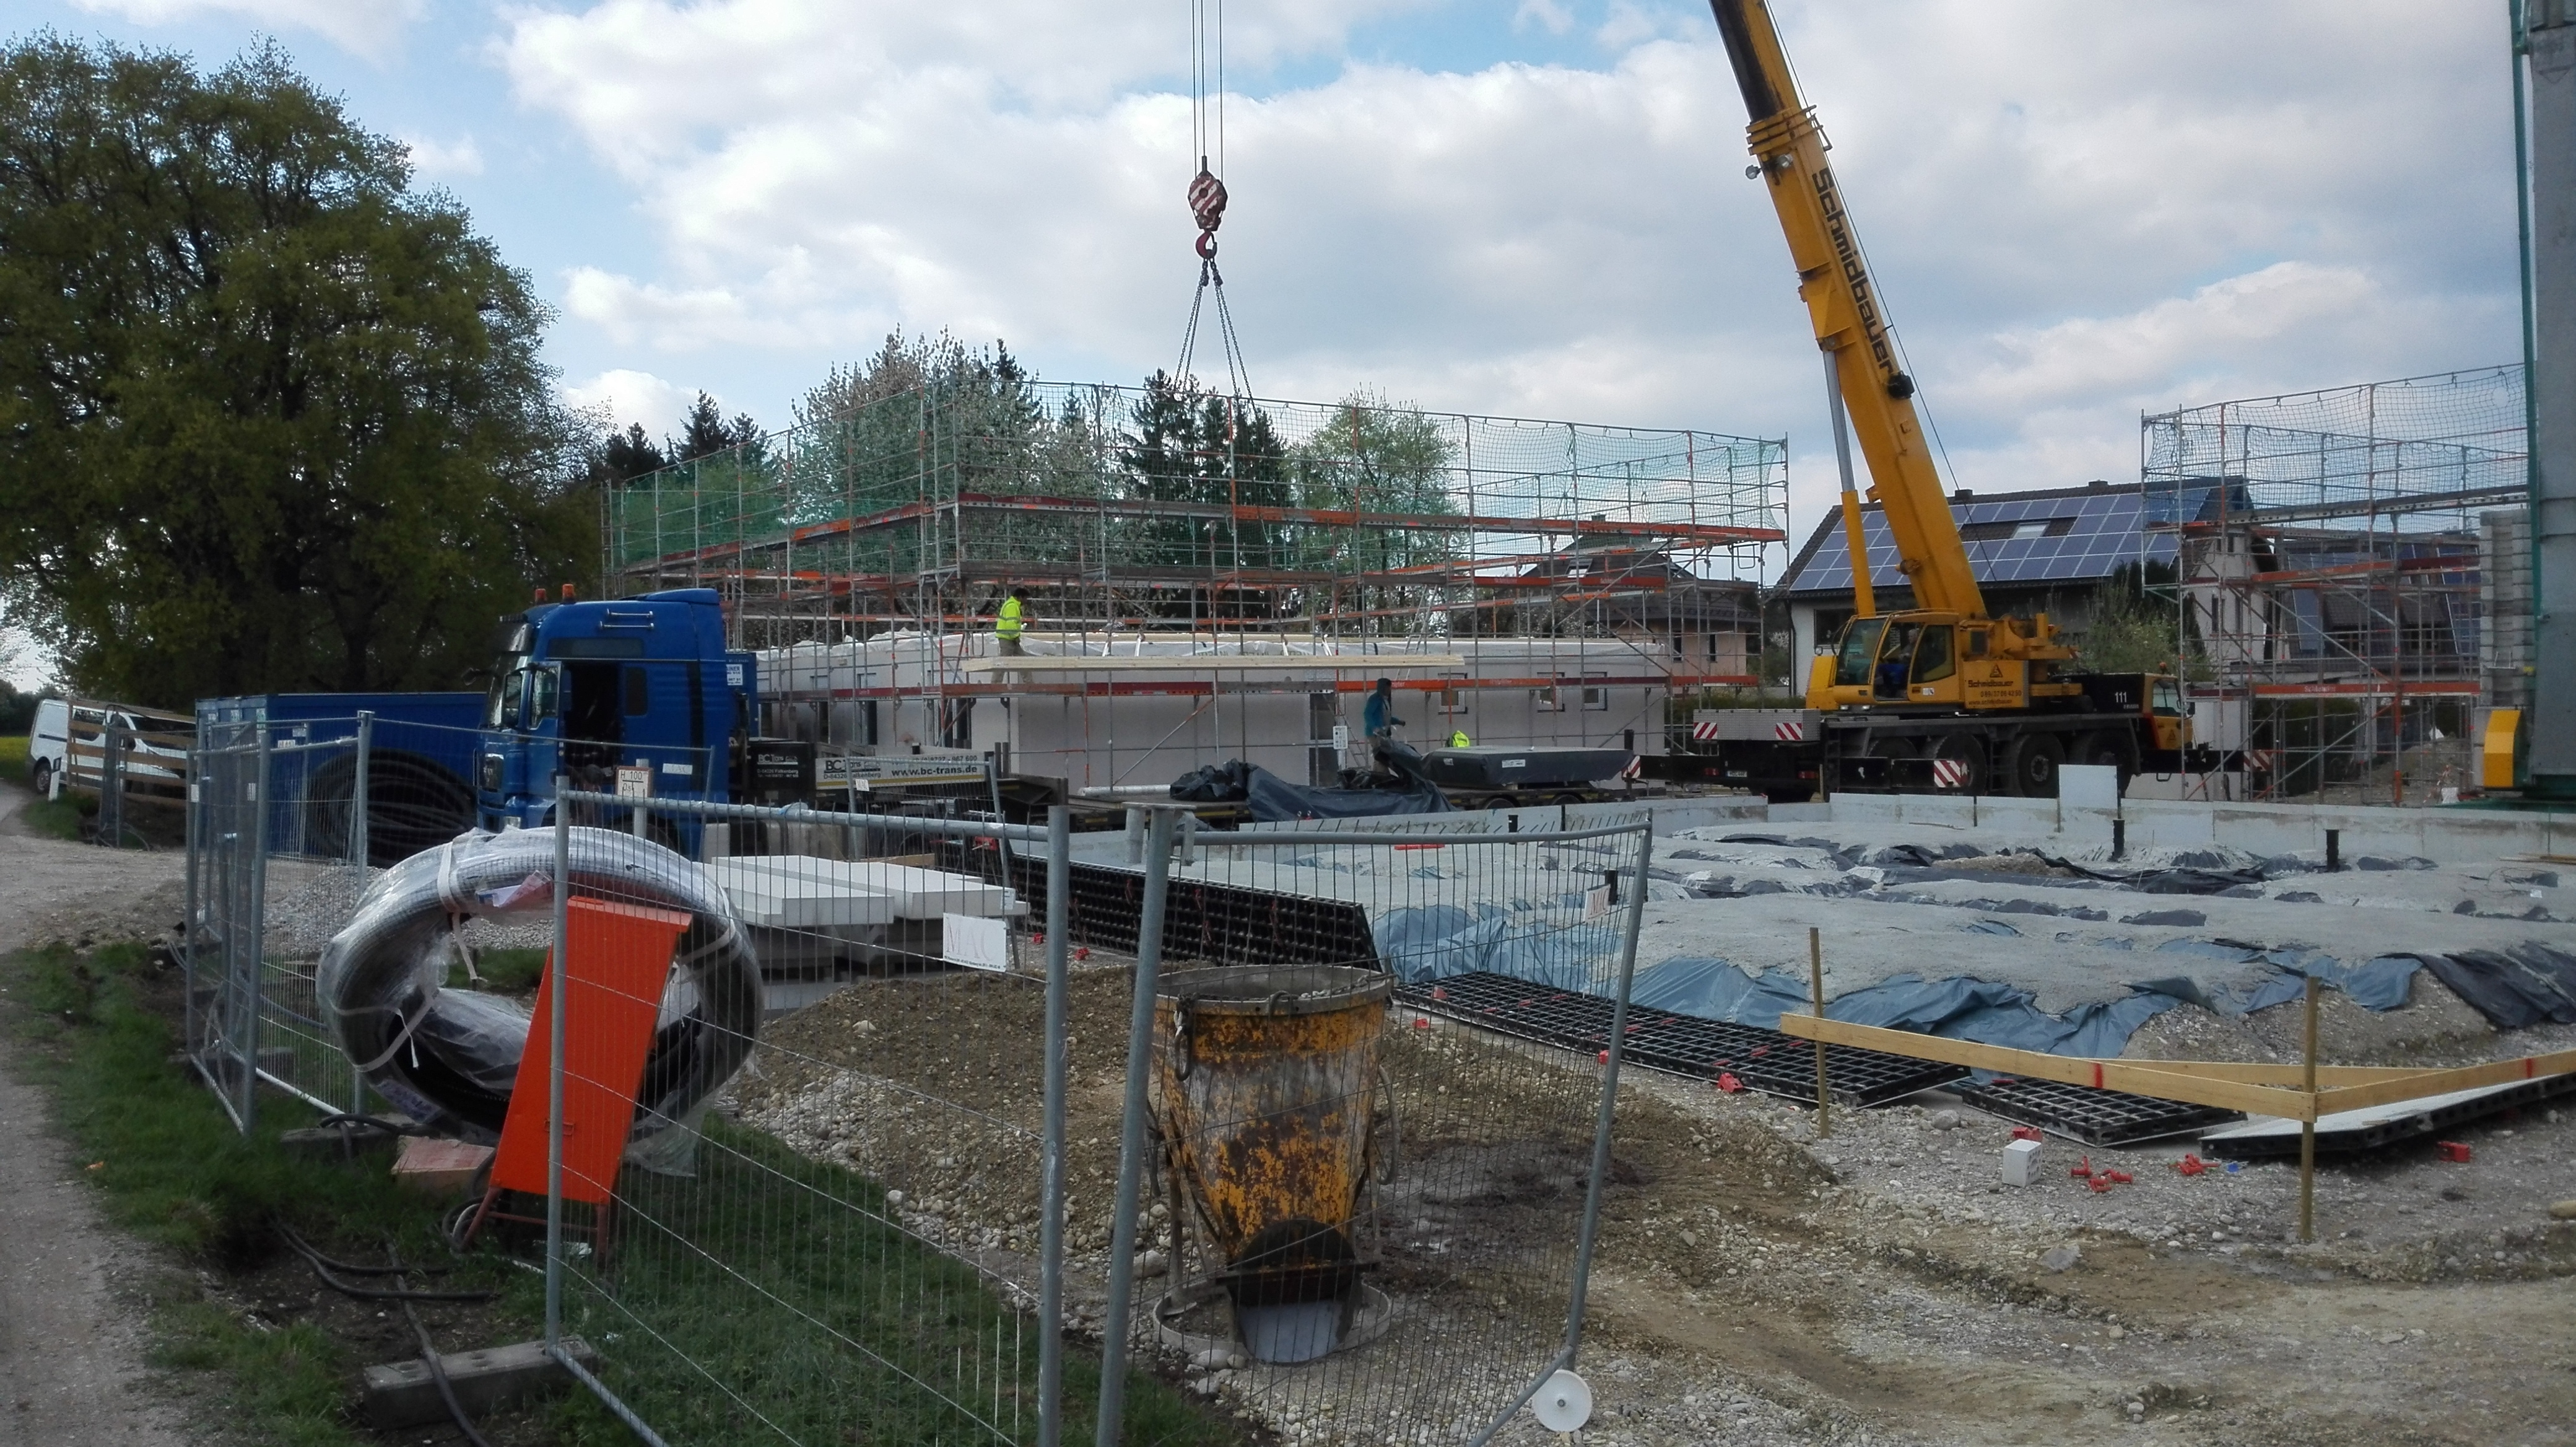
{"points": [[48, 742], [49, 746]]}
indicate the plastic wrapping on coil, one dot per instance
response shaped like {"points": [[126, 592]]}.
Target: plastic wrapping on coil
{"points": [[448, 1058]]}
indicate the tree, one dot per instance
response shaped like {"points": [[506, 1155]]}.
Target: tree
{"points": [[705, 432], [630, 454], [269, 418], [1194, 446]]}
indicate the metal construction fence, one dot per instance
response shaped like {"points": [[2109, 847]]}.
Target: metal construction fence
{"points": [[288, 823], [891, 1128]]}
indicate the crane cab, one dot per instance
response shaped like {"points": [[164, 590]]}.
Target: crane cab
{"points": [[1921, 660]]}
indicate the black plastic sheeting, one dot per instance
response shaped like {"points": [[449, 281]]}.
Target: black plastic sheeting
{"points": [[1274, 799], [2525, 985], [449, 1058]]}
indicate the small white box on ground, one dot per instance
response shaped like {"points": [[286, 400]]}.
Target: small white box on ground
{"points": [[2088, 786], [2021, 1163], [978, 944]]}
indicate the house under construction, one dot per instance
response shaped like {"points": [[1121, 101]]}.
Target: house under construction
{"points": [[1211, 576], [2351, 577]]}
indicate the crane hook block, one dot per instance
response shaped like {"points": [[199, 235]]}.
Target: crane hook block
{"points": [[1207, 246], [1207, 201]]}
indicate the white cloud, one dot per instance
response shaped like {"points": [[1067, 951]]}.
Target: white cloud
{"points": [[371, 28], [2075, 212], [1548, 15], [434, 160], [627, 398]]}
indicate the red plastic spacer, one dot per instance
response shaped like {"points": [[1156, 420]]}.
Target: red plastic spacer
{"points": [[2191, 1165], [1420, 1023], [2451, 1151], [2120, 1177], [2028, 1133], [1729, 1084], [1438, 993], [2099, 1184], [2083, 1169]]}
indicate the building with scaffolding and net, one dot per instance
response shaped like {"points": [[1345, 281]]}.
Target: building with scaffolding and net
{"points": [[1200, 576], [2351, 580]]}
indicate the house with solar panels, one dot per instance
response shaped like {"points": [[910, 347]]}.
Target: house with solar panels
{"points": [[2062, 551]]}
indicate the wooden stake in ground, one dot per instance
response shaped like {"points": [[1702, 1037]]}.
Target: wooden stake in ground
{"points": [[2308, 1127], [1816, 979]]}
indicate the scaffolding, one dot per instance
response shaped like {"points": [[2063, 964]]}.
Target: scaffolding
{"points": [[1168, 523], [2350, 581]]}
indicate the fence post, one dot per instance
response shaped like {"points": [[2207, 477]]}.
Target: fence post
{"points": [[1609, 1102], [557, 982], [1131, 1130], [250, 960], [111, 784], [188, 921], [1051, 1168], [358, 805]]}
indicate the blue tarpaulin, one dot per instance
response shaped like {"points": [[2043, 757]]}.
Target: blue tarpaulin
{"points": [[1433, 942]]}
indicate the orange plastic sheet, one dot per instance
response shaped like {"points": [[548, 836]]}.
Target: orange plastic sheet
{"points": [[616, 961]]}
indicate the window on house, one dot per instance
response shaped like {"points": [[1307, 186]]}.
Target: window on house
{"points": [[1595, 695], [1453, 697]]}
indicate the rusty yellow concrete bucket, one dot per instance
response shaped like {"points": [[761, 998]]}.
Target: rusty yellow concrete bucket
{"points": [[1265, 1080]]}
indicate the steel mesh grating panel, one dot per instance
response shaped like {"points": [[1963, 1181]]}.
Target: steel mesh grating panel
{"points": [[1764, 1060], [2095, 1117]]}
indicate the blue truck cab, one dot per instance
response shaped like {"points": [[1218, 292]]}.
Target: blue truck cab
{"points": [[589, 688]]}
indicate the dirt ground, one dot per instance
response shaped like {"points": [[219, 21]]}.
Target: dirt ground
{"points": [[1760, 1285], [71, 1344], [1756, 1284]]}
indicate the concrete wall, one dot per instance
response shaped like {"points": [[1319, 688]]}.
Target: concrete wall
{"points": [[2450, 836]]}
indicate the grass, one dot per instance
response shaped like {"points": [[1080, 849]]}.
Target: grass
{"points": [[54, 818], [782, 1230], [172, 1170]]}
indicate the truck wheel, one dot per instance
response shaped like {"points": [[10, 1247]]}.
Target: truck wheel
{"points": [[2030, 766], [2107, 748], [42, 776], [1968, 751]]}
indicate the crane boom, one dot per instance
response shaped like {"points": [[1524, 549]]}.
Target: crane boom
{"points": [[1850, 326]]}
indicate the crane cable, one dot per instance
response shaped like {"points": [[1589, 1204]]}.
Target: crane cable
{"points": [[1207, 194]]}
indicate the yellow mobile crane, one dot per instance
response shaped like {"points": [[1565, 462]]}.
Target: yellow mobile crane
{"points": [[1942, 693]]}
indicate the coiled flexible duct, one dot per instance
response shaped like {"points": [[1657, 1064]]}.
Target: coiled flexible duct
{"points": [[448, 1058]]}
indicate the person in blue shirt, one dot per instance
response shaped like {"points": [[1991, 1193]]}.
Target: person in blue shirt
{"points": [[1378, 719]]}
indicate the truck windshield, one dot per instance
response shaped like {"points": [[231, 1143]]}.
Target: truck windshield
{"points": [[2166, 699], [1859, 651]]}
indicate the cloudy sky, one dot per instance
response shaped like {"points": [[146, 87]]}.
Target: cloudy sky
{"points": [[2077, 211]]}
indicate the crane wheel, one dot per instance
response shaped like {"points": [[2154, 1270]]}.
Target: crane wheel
{"points": [[2030, 766], [1967, 750]]}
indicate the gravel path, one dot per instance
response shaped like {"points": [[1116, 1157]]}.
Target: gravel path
{"points": [[71, 1338]]}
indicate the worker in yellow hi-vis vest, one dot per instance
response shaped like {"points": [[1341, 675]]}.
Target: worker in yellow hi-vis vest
{"points": [[1458, 739], [1006, 624]]}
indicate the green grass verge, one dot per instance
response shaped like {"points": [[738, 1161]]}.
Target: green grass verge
{"points": [[777, 1277], [170, 1168], [13, 757], [785, 1230]]}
